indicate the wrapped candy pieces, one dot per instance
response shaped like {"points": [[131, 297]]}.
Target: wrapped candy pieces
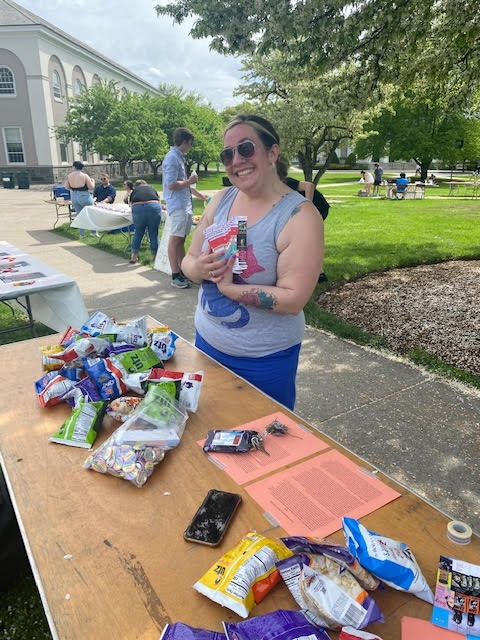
{"points": [[139, 444]]}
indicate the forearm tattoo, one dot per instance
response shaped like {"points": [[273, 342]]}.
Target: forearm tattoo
{"points": [[258, 298]]}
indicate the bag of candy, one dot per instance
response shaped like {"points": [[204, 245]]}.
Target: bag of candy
{"points": [[139, 444]]}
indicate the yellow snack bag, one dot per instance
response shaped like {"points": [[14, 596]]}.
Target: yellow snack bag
{"points": [[49, 363], [243, 576]]}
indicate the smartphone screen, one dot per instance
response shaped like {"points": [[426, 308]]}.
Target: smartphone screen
{"points": [[209, 524]]}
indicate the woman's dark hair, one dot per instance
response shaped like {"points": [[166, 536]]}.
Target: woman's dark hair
{"points": [[263, 127], [282, 168], [78, 165], [129, 184]]}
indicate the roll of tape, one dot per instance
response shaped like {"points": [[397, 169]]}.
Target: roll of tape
{"points": [[459, 532]]}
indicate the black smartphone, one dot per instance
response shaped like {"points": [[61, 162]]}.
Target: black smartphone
{"points": [[209, 524]]}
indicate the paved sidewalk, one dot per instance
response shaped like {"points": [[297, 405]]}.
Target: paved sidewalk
{"points": [[418, 429]]}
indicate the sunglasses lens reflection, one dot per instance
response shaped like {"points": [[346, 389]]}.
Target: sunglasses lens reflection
{"points": [[244, 149]]}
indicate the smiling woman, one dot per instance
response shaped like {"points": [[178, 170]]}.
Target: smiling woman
{"points": [[249, 314]]}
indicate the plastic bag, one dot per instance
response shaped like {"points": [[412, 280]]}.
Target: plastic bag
{"points": [[139, 444]]}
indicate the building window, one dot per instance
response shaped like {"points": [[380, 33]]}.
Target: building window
{"points": [[78, 87], [7, 82], [12, 137], [63, 151], [57, 86]]}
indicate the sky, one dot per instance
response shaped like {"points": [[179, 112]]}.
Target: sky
{"points": [[151, 47]]}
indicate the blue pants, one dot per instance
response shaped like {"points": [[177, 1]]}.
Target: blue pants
{"points": [[81, 199], [146, 216], [273, 374]]}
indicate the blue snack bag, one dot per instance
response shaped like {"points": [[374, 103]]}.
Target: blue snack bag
{"points": [[391, 561]]}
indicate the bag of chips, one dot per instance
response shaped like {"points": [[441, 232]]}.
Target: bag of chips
{"points": [[391, 561], [243, 576], [180, 631], [278, 625]]}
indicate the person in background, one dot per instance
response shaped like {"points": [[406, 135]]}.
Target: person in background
{"points": [[400, 187], [80, 185], [128, 186], [368, 180], [377, 179], [178, 197], [104, 193], [252, 322], [308, 190], [146, 215]]}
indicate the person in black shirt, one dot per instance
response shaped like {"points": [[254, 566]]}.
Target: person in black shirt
{"points": [[147, 215], [104, 192], [308, 190]]}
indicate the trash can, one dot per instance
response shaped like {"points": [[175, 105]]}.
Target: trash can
{"points": [[8, 180], [23, 180], [226, 181]]}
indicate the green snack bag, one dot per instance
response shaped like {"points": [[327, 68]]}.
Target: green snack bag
{"points": [[137, 360], [81, 428]]}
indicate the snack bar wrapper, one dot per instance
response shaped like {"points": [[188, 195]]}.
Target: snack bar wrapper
{"points": [[243, 576], [391, 561]]}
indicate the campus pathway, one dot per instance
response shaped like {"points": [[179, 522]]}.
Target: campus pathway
{"points": [[413, 426]]}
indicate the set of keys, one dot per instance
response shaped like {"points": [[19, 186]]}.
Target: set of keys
{"points": [[242, 441], [275, 428]]}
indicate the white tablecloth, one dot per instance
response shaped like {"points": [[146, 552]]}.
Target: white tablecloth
{"points": [[55, 299], [95, 218]]}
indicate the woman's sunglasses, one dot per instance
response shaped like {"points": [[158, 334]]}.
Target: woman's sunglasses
{"points": [[245, 149]]}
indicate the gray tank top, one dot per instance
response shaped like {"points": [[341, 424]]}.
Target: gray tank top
{"points": [[248, 331]]}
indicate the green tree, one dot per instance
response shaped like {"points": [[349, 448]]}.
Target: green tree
{"points": [[384, 38], [132, 132], [422, 123], [207, 126], [88, 113], [313, 116], [179, 109]]}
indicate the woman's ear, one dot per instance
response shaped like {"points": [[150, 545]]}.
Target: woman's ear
{"points": [[274, 153]]}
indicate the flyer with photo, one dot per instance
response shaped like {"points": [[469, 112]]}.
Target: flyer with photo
{"points": [[457, 597]]}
